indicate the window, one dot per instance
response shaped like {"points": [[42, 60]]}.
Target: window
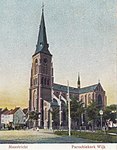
{"points": [[48, 82], [36, 67], [42, 80], [89, 98], [45, 81], [82, 98], [35, 81], [85, 100], [45, 65], [34, 100], [99, 99]]}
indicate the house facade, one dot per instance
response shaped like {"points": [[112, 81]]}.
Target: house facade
{"points": [[45, 95], [13, 118], [1, 112]]}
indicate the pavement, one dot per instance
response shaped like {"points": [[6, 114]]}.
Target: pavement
{"points": [[41, 136]]}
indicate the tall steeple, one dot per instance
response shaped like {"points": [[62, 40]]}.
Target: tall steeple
{"points": [[78, 82], [42, 45]]}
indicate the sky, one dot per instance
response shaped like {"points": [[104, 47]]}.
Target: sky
{"points": [[82, 36]]}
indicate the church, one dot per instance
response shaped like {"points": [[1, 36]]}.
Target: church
{"points": [[45, 95]]}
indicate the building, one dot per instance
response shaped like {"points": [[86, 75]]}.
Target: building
{"points": [[1, 112], [45, 95], [13, 118]]}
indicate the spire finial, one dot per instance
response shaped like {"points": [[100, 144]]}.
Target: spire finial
{"points": [[98, 80], [78, 81], [42, 6]]}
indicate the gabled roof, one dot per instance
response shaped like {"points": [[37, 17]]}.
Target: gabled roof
{"points": [[2, 110], [12, 111], [87, 89], [6, 112], [63, 88]]}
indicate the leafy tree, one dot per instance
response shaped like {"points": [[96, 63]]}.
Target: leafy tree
{"points": [[92, 112], [76, 110], [110, 112], [55, 117], [33, 116]]}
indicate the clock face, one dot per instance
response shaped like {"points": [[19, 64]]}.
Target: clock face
{"points": [[45, 60]]}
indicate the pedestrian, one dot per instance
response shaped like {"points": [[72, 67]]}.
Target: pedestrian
{"points": [[37, 128]]}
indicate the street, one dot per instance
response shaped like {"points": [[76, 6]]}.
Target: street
{"points": [[41, 136]]}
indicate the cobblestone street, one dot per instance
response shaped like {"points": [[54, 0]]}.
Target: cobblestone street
{"points": [[41, 136]]}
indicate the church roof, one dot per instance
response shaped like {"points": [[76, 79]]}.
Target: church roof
{"points": [[42, 45], [87, 89], [63, 88]]}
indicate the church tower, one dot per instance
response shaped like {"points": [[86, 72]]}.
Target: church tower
{"points": [[41, 80]]}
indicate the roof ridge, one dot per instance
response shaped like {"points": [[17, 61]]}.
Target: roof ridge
{"points": [[65, 85], [89, 86]]}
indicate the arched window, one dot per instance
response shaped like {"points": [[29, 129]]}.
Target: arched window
{"points": [[35, 81], [100, 100], [48, 82], [36, 66], [45, 81], [82, 98], [34, 100], [86, 100], [89, 98], [42, 80]]}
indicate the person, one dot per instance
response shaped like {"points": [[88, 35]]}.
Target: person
{"points": [[37, 128]]}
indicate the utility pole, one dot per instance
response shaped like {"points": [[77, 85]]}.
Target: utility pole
{"points": [[69, 117]]}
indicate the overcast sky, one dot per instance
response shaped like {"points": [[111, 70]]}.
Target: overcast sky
{"points": [[81, 35]]}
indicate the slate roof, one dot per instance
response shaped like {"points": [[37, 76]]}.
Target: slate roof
{"points": [[42, 45], [87, 89], [12, 111], [63, 88]]}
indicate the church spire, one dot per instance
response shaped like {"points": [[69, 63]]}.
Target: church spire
{"points": [[42, 45], [78, 82]]}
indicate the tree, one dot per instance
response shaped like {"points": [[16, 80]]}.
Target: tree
{"points": [[33, 116], [55, 117], [110, 113], [76, 110], [92, 112]]}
